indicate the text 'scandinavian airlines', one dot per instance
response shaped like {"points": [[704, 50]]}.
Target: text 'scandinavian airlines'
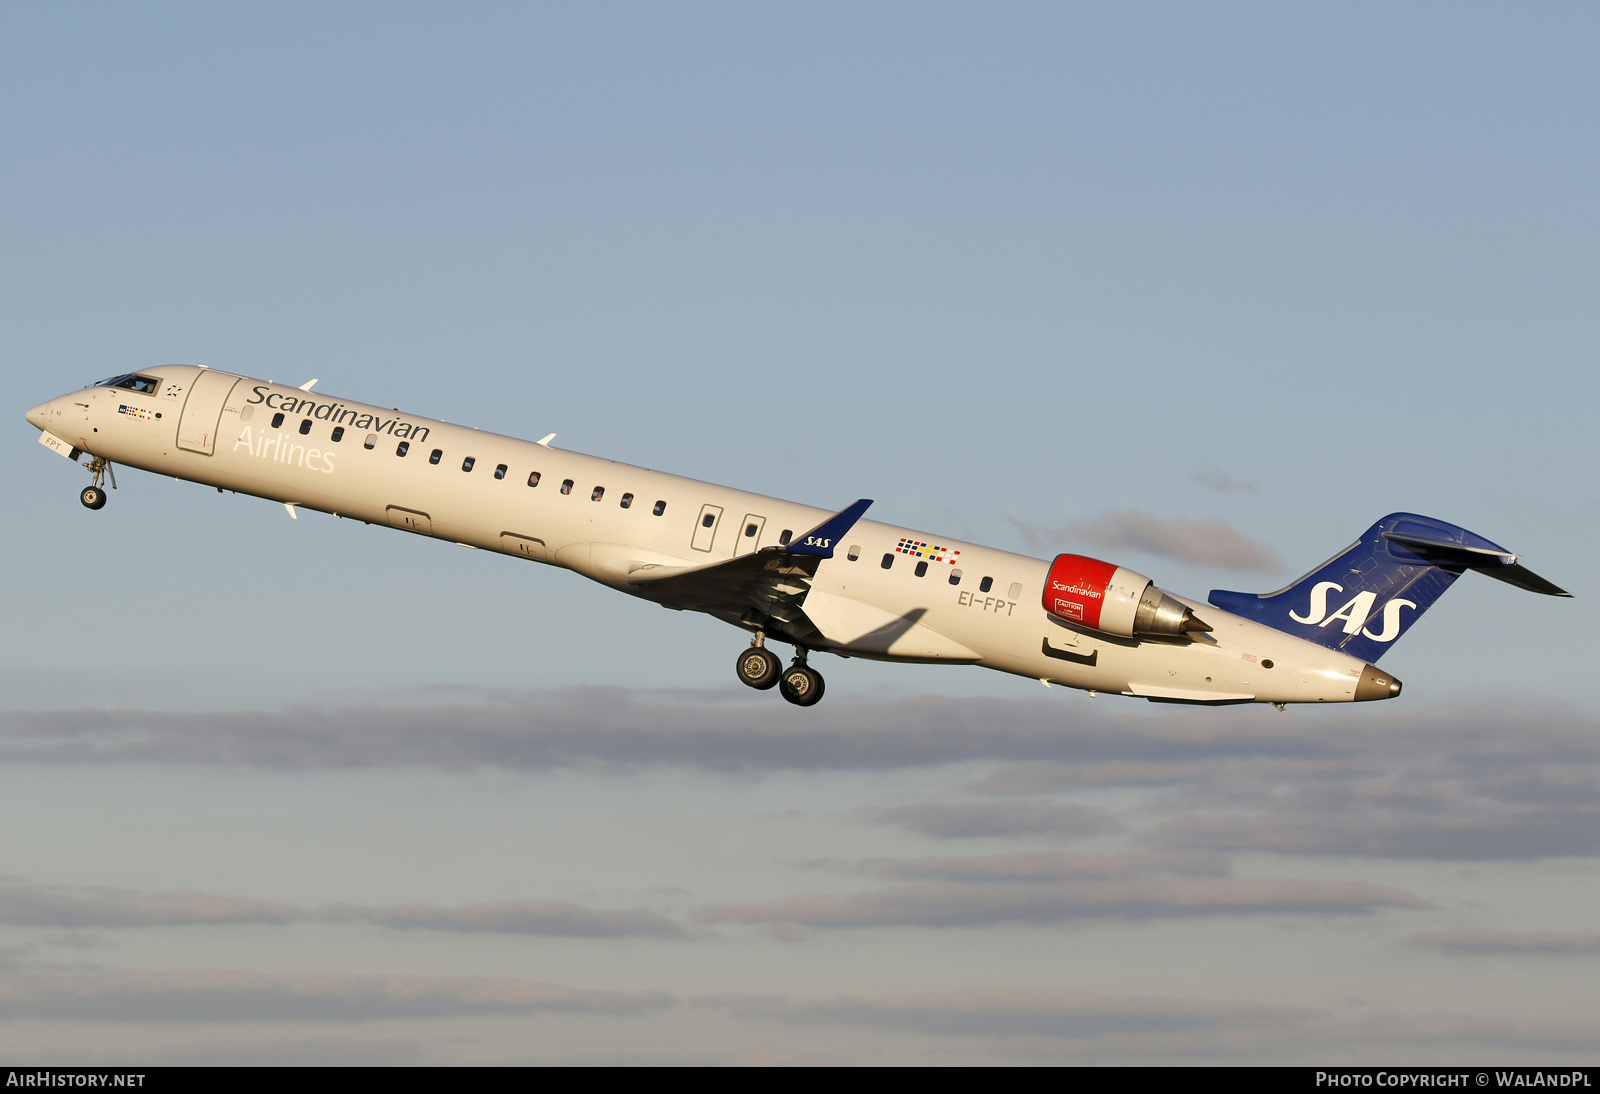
{"points": [[816, 580]]}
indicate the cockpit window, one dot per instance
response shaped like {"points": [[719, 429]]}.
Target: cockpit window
{"points": [[145, 385]]}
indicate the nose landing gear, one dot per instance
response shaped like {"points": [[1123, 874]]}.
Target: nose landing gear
{"points": [[758, 667], [94, 496]]}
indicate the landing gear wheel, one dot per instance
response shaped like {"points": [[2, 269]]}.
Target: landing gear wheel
{"points": [[93, 497], [758, 668], [801, 686]]}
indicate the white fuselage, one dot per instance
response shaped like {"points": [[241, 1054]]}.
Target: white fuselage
{"points": [[972, 605]]}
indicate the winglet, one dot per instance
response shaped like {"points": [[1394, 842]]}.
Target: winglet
{"points": [[820, 540]]}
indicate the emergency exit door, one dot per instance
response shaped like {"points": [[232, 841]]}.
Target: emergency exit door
{"points": [[705, 527], [749, 533]]}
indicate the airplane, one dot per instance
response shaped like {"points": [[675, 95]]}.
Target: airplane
{"points": [[820, 582]]}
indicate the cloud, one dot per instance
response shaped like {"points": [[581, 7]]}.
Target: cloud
{"points": [[213, 995], [972, 905], [1043, 867], [1082, 1026], [1069, 1014], [1435, 823], [1579, 1035], [551, 918], [1213, 543], [78, 940], [64, 907], [602, 728], [1463, 784], [972, 820], [1221, 481], [16, 957], [1470, 940]]}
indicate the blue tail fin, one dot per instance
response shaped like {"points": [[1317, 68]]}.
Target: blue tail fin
{"points": [[1368, 595]]}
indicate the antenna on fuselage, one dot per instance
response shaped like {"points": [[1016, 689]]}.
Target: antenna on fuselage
{"points": [[307, 385], [546, 440]]}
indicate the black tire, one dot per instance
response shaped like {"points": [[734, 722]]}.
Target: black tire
{"points": [[758, 668], [801, 686], [93, 497]]}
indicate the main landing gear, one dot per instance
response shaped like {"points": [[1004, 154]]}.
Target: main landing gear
{"points": [[760, 668], [94, 496]]}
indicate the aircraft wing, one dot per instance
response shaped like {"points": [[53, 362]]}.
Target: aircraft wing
{"points": [[773, 581]]}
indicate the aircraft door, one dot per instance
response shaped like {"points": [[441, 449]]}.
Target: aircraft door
{"points": [[749, 534], [705, 527], [197, 428]]}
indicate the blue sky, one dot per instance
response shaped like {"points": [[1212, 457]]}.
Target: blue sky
{"points": [[1013, 271]]}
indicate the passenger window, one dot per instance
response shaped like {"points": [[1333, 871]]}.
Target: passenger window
{"points": [[599, 492], [986, 584], [661, 507], [533, 478], [1016, 590], [500, 472], [402, 448], [783, 540], [371, 441], [855, 552], [338, 434], [922, 568], [305, 427], [708, 520], [888, 560], [277, 420], [750, 530], [627, 501], [433, 457], [955, 577], [566, 486], [466, 464]]}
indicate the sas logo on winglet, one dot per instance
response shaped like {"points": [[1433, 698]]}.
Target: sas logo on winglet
{"points": [[1354, 613], [135, 412]]}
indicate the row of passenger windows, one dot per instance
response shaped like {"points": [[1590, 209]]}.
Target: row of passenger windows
{"points": [[470, 462], [984, 585], [627, 502]]}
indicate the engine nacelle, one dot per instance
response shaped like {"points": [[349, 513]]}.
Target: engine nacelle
{"points": [[1109, 598]]}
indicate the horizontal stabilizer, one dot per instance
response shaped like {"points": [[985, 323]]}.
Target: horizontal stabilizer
{"points": [[1523, 578], [1476, 553]]}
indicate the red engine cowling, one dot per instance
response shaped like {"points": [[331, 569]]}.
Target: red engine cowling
{"points": [[1109, 598]]}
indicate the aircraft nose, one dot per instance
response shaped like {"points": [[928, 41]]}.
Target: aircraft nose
{"points": [[36, 416]]}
